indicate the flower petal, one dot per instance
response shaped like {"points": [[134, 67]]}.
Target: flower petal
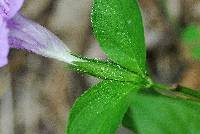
{"points": [[8, 8], [4, 47], [25, 34]]}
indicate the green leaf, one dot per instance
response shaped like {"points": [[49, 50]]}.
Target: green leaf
{"points": [[108, 71], [118, 27], [156, 114], [191, 39], [101, 109]]}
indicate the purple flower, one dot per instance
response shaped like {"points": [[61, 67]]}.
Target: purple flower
{"points": [[18, 32], [8, 8]]}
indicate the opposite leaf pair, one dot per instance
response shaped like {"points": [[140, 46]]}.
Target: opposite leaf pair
{"points": [[118, 27]]}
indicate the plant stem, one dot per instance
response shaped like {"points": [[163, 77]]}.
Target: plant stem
{"points": [[162, 87], [188, 91], [178, 91]]}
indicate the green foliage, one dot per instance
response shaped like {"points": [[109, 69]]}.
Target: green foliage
{"points": [[101, 109], [191, 39], [107, 70], [117, 25], [151, 113]]}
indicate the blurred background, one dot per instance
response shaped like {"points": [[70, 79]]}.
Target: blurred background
{"points": [[36, 93]]}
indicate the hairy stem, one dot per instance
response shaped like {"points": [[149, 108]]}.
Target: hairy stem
{"points": [[177, 92]]}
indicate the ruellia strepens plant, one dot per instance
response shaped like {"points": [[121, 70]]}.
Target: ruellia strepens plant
{"points": [[126, 94]]}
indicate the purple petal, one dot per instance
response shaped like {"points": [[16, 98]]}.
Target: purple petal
{"points": [[4, 47], [8, 8], [25, 34]]}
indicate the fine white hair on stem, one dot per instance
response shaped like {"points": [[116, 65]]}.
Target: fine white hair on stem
{"points": [[26, 34]]}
